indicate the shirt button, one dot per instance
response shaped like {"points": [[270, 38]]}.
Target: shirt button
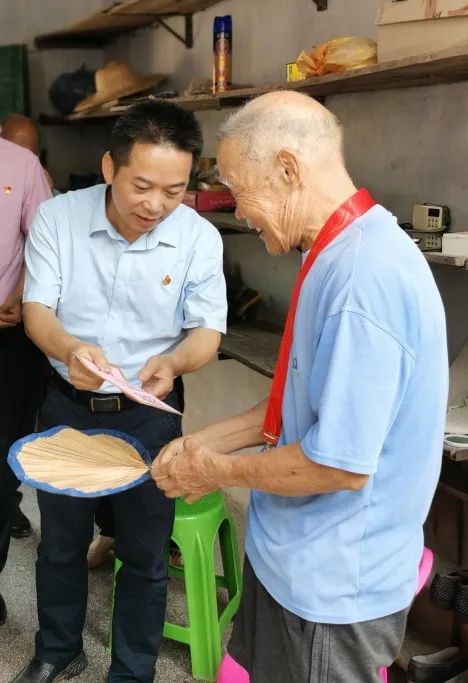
{"points": [[114, 316]]}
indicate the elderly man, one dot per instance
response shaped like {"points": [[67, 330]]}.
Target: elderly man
{"points": [[354, 422], [119, 273], [22, 188]]}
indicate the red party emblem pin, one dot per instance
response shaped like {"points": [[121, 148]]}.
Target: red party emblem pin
{"points": [[7, 189], [166, 280]]}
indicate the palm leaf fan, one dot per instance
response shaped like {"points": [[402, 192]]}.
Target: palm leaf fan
{"points": [[85, 464]]}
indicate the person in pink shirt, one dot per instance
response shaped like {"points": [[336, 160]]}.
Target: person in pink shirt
{"points": [[24, 132], [23, 186]]}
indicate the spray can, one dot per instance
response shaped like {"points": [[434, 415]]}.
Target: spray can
{"points": [[222, 53]]}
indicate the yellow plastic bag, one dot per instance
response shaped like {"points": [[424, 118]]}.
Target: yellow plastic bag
{"points": [[341, 54]]}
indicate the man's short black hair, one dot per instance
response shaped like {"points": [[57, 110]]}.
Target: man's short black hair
{"points": [[155, 123]]}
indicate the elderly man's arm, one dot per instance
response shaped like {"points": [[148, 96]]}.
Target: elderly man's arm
{"points": [[359, 373], [198, 464], [285, 471], [234, 433]]}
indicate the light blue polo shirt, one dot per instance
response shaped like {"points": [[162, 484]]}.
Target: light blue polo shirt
{"points": [[366, 392], [133, 300]]}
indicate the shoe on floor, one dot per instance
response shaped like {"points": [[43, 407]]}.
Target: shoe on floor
{"points": [[437, 666], [3, 611], [21, 527], [99, 552], [42, 672]]}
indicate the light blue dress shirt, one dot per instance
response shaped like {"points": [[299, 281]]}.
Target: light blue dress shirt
{"points": [[133, 300], [366, 392]]}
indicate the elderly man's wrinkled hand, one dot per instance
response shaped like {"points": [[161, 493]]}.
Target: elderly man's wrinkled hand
{"points": [[172, 450], [189, 469]]}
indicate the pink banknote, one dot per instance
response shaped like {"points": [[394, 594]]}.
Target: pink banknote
{"points": [[115, 377]]}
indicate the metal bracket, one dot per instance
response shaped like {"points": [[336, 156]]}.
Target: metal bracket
{"points": [[188, 39], [321, 5]]}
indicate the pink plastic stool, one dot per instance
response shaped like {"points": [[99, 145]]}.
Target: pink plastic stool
{"points": [[232, 672]]}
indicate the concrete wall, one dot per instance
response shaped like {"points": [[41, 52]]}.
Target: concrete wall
{"points": [[407, 146]]}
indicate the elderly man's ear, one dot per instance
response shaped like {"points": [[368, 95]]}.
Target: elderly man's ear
{"points": [[289, 167]]}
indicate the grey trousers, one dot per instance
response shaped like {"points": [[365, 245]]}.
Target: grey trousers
{"points": [[276, 646]]}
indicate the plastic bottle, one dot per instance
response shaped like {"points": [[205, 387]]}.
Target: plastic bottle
{"points": [[222, 53]]}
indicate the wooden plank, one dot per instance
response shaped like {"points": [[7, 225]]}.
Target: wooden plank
{"points": [[116, 20], [227, 221], [255, 347], [445, 67], [95, 30], [164, 7], [445, 260], [196, 103]]}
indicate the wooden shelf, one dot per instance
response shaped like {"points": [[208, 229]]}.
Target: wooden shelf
{"points": [[226, 222], [448, 66], [255, 347], [122, 18], [445, 260]]}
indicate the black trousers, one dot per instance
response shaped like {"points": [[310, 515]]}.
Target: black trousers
{"points": [[143, 522], [104, 517], [22, 376]]}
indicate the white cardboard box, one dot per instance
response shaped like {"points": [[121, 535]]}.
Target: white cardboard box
{"points": [[410, 28], [455, 244]]}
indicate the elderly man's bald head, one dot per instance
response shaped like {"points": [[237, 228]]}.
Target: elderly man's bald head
{"points": [[282, 157], [21, 131], [284, 120]]}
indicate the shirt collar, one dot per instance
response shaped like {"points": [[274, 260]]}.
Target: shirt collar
{"points": [[165, 233]]}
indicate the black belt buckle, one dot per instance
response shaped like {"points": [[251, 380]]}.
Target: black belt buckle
{"points": [[106, 404]]}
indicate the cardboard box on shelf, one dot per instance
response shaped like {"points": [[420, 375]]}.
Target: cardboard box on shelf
{"points": [[455, 244], [202, 200], [411, 28]]}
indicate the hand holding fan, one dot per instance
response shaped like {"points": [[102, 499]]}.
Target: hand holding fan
{"points": [[85, 464]]}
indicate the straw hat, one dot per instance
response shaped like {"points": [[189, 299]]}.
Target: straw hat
{"points": [[115, 80]]}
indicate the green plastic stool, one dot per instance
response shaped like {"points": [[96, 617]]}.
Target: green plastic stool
{"points": [[195, 530]]}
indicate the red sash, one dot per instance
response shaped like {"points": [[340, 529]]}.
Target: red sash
{"points": [[347, 213]]}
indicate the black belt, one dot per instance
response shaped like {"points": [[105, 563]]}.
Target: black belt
{"points": [[94, 402]]}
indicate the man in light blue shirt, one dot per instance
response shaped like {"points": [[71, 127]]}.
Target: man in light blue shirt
{"points": [[120, 273], [335, 523]]}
